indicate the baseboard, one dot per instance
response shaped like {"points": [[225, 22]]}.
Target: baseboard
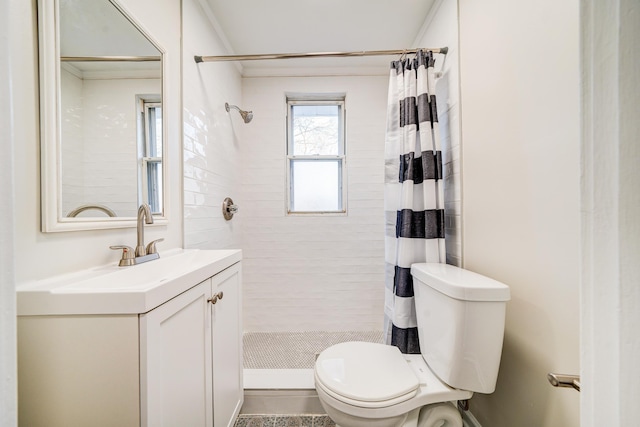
{"points": [[277, 402]]}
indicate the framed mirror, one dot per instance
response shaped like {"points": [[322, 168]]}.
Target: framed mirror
{"points": [[102, 132]]}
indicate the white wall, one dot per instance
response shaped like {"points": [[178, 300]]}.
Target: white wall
{"points": [[8, 363], [46, 254], [314, 272], [520, 107], [25, 252], [212, 137]]}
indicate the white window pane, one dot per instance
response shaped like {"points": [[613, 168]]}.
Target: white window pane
{"points": [[315, 130], [154, 186], [158, 132], [315, 185], [155, 131]]}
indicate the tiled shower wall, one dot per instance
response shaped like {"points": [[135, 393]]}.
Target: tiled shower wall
{"points": [[211, 135], [304, 273]]}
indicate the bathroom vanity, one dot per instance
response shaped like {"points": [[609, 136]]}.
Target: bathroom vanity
{"points": [[155, 344]]}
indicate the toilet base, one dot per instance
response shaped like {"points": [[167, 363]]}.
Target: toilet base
{"points": [[433, 399], [343, 419], [438, 414]]}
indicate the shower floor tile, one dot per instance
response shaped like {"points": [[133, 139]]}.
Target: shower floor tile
{"points": [[295, 350]]}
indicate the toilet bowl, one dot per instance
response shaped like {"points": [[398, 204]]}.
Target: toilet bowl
{"points": [[460, 318], [367, 384]]}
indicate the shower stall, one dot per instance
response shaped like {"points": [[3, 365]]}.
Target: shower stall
{"points": [[309, 280]]}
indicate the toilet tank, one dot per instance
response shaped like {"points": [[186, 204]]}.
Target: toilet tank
{"points": [[460, 317]]}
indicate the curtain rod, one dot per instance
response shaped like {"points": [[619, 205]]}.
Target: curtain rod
{"points": [[109, 58], [198, 59]]}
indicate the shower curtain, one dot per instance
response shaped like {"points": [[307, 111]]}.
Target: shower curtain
{"points": [[414, 205]]}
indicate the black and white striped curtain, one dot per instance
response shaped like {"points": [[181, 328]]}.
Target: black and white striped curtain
{"points": [[414, 202]]}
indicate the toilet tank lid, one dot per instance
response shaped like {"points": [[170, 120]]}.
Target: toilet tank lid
{"points": [[459, 283]]}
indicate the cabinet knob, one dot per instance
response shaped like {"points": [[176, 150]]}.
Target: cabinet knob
{"points": [[214, 299]]}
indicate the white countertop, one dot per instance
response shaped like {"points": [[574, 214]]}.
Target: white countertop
{"points": [[111, 289]]}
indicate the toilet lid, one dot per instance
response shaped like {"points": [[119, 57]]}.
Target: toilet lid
{"points": [[366, 372]]}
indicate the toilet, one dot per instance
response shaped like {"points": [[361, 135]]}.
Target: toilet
{"points": [[460, 319]]}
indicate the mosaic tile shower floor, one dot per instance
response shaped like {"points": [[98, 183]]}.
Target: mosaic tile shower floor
{"points": [[295, 350]]}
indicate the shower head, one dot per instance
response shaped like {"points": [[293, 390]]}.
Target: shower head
{"points": [[246, 115]]}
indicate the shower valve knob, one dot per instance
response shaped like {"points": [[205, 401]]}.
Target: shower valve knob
{"points": [[228, 208]]}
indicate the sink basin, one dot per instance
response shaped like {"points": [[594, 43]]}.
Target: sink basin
{"points": [[123, 290], [144, 276]]}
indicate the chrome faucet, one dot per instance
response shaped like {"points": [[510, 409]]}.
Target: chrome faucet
{"points": [[144, 213], [142, 253]]}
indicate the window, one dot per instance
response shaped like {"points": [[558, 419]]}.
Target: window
{"points": [[316, 155], [150, 152]]}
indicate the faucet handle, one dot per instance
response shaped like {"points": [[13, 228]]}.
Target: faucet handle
{"points": [[151, 247], [127, 255]]}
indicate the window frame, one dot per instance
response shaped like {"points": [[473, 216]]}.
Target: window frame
{"points": [[146, 133], [340, 158]]}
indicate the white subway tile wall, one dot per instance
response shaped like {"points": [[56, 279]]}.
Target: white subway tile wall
{"points": [[313, 272], [100, 141], [212, 136]]}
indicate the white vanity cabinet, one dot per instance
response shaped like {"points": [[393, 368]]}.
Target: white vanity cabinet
{"points": [[177, 364], [194, 336]]}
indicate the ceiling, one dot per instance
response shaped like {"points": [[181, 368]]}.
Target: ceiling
{"points": [[97, 28], [293, 26]]}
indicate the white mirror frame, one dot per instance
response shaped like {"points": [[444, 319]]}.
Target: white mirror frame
{"points": [[50, 132]]}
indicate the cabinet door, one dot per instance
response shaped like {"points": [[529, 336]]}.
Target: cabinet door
{"points": [[228, 393], [175, 359]]}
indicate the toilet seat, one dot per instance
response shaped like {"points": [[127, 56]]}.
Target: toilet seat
{"points": [[367, 375], [362, 403], [430, 388]]}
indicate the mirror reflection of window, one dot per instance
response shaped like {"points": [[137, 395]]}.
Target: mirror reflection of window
{"points": [[150, 152]]}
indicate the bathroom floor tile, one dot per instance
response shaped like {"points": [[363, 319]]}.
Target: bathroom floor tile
{"points": [[323, 421], [294, 421], [255, 421], [284, 421]]}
